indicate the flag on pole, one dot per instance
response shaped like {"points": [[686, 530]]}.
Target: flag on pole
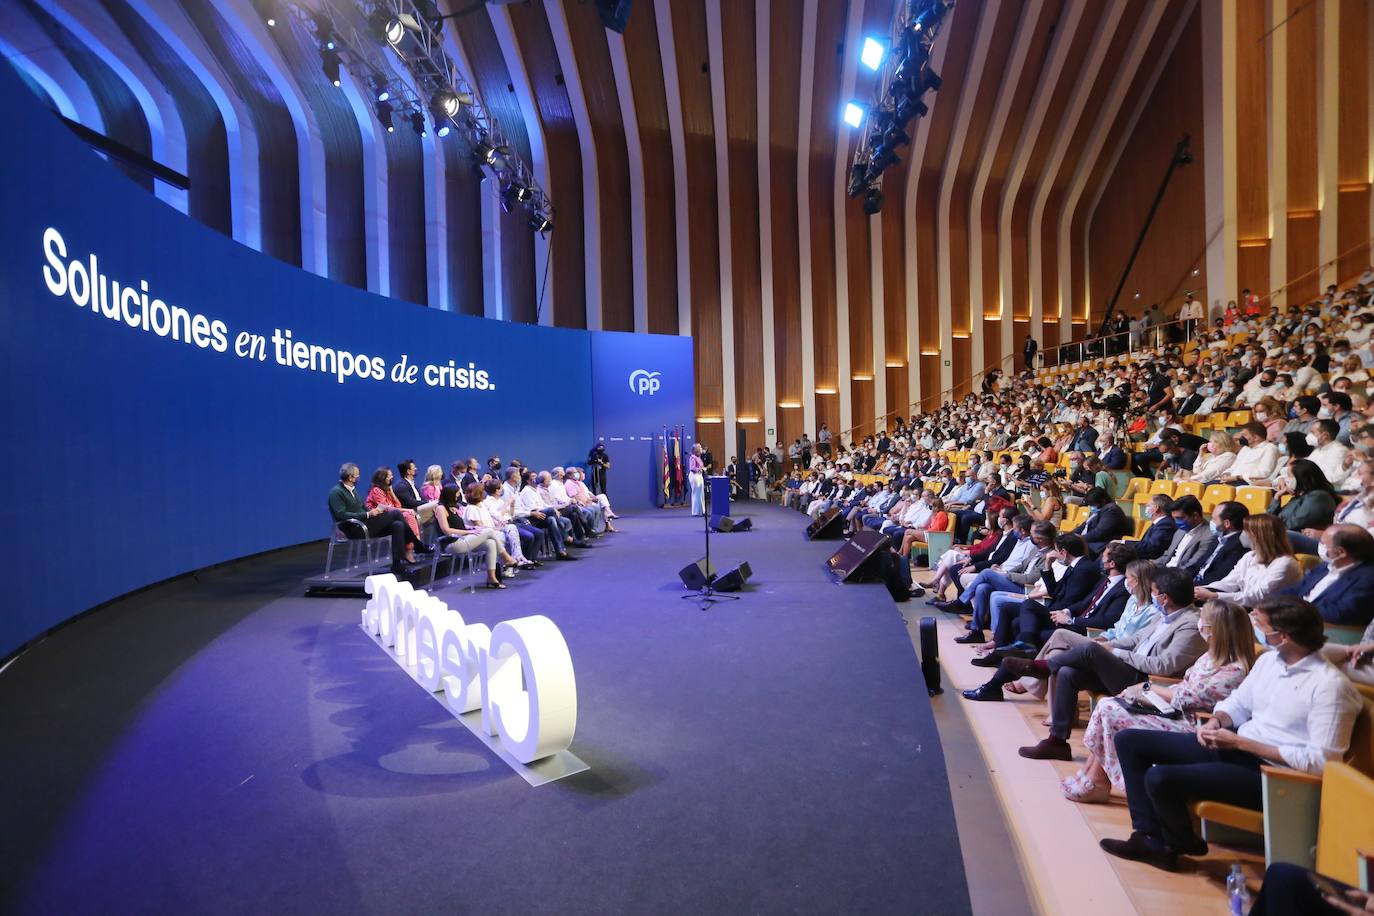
{"points": [[666, 489], [677, 459]]}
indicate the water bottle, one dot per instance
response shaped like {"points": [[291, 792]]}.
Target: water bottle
{"points": [[1236, 892]]}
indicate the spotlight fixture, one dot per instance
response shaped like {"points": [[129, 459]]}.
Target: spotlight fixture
{"points": [[872, 53], [853, 114], [383, 94], [513, 194], [858, 179], [417, 123], [329, 61], [541, 223], [443, 130], [393, 31], [384, 112], [444, 103]]}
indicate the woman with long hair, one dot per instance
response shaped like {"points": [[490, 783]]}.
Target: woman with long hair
{"points": [[477, 516], [938, 521], [1212, 678], [1267, 569], [382, 495], [449, 518], [1051, 508], [434, 483], [1215, 460], [1314, 499], [696, 480]]}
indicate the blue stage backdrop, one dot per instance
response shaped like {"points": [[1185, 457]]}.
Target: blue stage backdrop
{"points": [[175, 400]]}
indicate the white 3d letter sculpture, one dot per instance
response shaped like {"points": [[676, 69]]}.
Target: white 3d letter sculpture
{"points": [[519, 675]]}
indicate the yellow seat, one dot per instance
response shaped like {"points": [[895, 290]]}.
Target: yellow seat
{"points": [[1255, 499], [1138, 490], [1237, 418], [1184, 488], [1215, 494], [1142, 525], [1162, 486], [1307, 561]]}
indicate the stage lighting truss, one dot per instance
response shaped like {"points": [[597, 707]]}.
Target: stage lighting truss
{"points": [[905, 76], [360, 33]]}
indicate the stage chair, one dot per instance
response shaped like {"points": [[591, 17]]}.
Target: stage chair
{"points": [[357, 541]]}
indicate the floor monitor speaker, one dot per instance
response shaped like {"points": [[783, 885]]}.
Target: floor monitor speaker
{"points": [[858, 559], [733, 580], [697, 575], [830, 524], [726, 523]]}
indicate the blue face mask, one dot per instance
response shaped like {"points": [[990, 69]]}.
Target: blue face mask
{"points": [[1216, 529], [1181, 524]]}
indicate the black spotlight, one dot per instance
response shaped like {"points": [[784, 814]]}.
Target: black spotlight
{"points": [[417, 123], [927, 81], [539, 222], [513, 195], [385, 110], [884, 157], [909, 107], [858, 179], [873, 201], [329, 61]]}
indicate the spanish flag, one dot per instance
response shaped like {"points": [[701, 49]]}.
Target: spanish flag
{"points": [[665, 464]]}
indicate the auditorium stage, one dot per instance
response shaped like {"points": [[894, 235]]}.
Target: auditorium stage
{"points": [[222, 744]]}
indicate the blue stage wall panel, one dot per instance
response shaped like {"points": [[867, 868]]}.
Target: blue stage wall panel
{"points": [[138, 456]]}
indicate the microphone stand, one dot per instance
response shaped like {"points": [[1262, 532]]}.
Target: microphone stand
{"points": [[707, 594]]}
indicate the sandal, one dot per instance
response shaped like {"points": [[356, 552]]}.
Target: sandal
{"points": [[495, 585], [1015, 688], [1086, 792]]}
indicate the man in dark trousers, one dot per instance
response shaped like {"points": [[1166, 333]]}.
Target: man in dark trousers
{"points": [[597, 463], [355, 518], [1029, 351]]}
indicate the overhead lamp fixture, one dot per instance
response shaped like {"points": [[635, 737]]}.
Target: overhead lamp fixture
{"points": [[513, 194], [709, 420], [747, 419], [383, 94], [873, 201], [445, 103], [385, 110], [329, 61], [541, 223], [853, 114], [858, 179], [872, 53], [443, 130], [394, 32], [790, 405], [826, 391], [417, 123]]}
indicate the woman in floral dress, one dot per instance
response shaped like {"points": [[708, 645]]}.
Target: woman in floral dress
{"points": [[1229, 656]]}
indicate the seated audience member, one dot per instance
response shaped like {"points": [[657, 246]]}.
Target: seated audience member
{"points": [[502, 508], [1294, 709], [462, 540], [791, 490], [1254, 463], [477, 516], [1167, 648], [405, 487], [1329, 454], [1359, 508], [937, 521], [576, 488], [915, 515], [382, 495], [1098, 610], [530, 508], [1290, 889], [1160, 535], [1017, 633], [994, 548], [1266, 570], [1228, 521], [1193, 542], [1021, 570], [1051, 508], [1230, 654], [433, 485], [456, 470], [1342, 586], [1356, 662], [1216, 459], [1313, 506], [379, 521], [1106, 521], [589, 512], [573, 522]]}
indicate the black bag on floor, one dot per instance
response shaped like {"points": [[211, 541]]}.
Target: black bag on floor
{"points": [[930, 656]]}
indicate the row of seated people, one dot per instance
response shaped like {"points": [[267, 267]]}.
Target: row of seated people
{"points": [[507, 517]]}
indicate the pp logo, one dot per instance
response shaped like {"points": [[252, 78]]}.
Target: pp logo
{"points": [[642, 381]]}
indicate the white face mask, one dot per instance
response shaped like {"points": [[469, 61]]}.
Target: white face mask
{"points": [[1311, 440], [1324, 413]]}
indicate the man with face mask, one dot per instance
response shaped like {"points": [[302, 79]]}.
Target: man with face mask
{"points": [[1294, 709], [1336, 405], [1327, 453], [1342, 587]]}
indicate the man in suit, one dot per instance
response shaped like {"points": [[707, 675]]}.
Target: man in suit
{"points": [[1342, 588], [1160, 535], [1168, 647], [1193, 542], [1029, 350], [405, 488], [355, 519], [1099, 610], [1228, 519], [1085, 437], [1073, 589], [1105, 523]]}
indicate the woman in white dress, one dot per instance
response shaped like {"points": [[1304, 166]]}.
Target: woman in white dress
{"points": [[696, 481]]}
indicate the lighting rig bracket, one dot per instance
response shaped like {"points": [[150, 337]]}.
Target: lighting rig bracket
{"points": [[905, 76]]}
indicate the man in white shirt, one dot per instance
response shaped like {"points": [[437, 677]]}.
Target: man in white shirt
{"points": [[1264, 384], [1329, 454], [1256, 460], [1294, 709]]}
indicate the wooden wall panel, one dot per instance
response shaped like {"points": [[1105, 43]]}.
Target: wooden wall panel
{"points": [[1354, 228], [694, 84], [612, 166], [1303, 237], [1303, 203], [656, 145], [738, 20], [894, 293], [825, 108], [563, 154], [1178, 238], [784, 62], [1252, 114]]}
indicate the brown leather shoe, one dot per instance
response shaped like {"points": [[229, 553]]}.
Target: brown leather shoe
{"points": [[1050, 748]]}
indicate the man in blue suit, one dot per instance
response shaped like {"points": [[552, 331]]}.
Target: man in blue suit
{"points": [[1072, 590], [1105, 524], [1160, 534], [1228, 518], [1342, 588]]}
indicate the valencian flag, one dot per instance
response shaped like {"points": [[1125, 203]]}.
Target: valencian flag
{"points": [[666, 476]]}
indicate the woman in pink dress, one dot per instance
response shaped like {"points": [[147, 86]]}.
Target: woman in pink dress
{"points": [[1211, 679], [434, 484], [381, 494]]}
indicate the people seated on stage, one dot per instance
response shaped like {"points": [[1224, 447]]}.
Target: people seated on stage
{"points": [[996, 547], [529, 506], [1294, 709], [1228, 522], [1342, 586], [458, 539], [1267, 569], [377, 521], [478, 517], [575, 530], [1167, 648], [456, 470], [502, 509], [1194, 540], [588, 515], [405, 486], [576, 488], [938, 520], [434, 483], [1105, 523], [1010, 583], [1217, 672], [382, 495]]}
